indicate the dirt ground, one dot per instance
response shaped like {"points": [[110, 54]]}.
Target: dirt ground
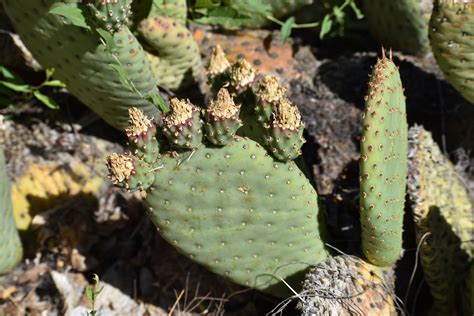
{"points": [[108, 233]]}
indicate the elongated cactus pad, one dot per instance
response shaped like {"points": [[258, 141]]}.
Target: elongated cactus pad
{"points": [[81, 61], [233, 209], [452, 40], [11, 250], [383, 165], [443, 214], [401, 25], [346, 285]]}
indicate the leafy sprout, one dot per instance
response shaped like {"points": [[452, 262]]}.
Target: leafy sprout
{"points": [[13, 88]]}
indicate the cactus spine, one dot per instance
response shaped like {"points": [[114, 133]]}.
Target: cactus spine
{"points": [[452, 40], [383, 165], [11, 250]]}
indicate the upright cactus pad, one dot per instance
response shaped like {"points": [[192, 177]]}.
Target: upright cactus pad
{"points": [[443, 214], [11, 250], [452, 40], [346, 285], [401, 25], [383, 165], [231, 207]]}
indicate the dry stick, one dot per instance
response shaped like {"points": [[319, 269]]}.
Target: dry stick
{"points": [[425, 235], [176, 303]]}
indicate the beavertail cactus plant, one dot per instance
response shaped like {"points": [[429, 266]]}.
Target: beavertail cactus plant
{"points": [[401, 25], [108, 78], [452, 40], [223, 199], [241, 206], [11, 250], [383, 165], [443, 213]]}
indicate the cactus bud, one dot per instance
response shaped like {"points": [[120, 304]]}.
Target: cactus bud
{"points": [[268, 92], [284, 133], [182, 126], [141, 134], [222, 119], [241, 76]]}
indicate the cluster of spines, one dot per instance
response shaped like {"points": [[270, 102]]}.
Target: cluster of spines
{"points": [[383, 165], [111, 14]]}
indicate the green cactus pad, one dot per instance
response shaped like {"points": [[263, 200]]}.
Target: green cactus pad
{"points": [[443, 213], [401, 24], [80, 60], [239, 213], [232, 208], [451, 34], [111, 15], [383, 165], [172, 51], [11, 250]]}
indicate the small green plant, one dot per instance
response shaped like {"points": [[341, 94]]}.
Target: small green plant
{"points": [[254, 13], [13, 89], [92, 291]]}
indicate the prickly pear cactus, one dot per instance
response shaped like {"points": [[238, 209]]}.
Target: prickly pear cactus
{"points": [[401, 25], [90, 71], [443, 214], [383, 165], [230, 206], [347, 285], [11, 249], [451, 34]]}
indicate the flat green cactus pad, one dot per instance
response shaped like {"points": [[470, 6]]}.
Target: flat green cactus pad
{"points": [[239, 213], [443, 214], [452, 40], [401, 24], [11, 250]]}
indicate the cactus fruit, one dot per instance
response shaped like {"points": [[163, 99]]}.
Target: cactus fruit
{"points": [[11, 250], [443, 213], [383, 165], [401, 25], [225, 202], [111, 15], [284, 132], [451, 35], [268, 92], [222, 119], [90, 71], [182, 125], [346, 285]]}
